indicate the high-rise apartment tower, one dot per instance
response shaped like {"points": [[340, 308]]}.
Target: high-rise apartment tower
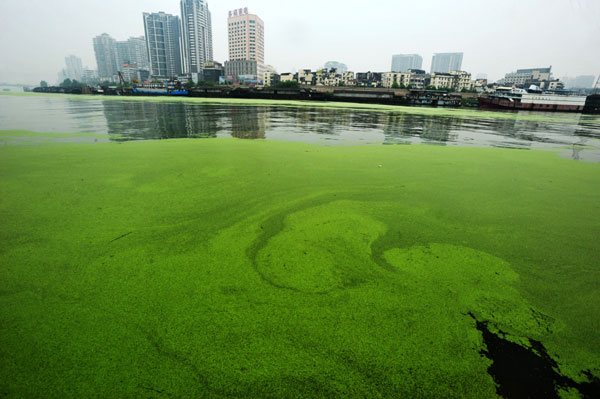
{"points": [[74, 67], [163, 41], [196, 24], [446, 62], [246, 37], [105, 48], [404, 62]]}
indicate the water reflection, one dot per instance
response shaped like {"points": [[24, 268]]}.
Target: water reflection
{"points": [[150, 120], [416, 129], [140, 120], [248, 125]]}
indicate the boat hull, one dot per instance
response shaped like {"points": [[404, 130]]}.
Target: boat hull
{"points": [[159, 92], [504, 103]]}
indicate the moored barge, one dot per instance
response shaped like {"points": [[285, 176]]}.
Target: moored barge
{"points": [[533, 100]]}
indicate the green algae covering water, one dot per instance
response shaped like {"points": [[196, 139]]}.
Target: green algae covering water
{"points": [[264, 269]]}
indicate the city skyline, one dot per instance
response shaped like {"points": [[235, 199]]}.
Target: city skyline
{"points": [[294, 41]]}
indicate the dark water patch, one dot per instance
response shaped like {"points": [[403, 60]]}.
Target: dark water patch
{"points": [[122, 236], [528, 372]]}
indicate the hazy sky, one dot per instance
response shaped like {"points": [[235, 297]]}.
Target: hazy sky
{"points": [[497, 36]]}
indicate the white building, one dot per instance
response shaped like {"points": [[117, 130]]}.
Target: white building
{"points": [[405, 62], [524, 76], [414, 79], [306, 77], [270, 78], [246, 37], [133, 51], [74, 68], [105, 48], [196, 43], [446, 62], [455, 80], [348, 79]]}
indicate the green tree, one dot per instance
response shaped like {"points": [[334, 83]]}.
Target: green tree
{"points": [[290, 84], [43, 83], [341, 83], [395, 85], [402, 86], [205, 83], [67, 83], [190, 84]]}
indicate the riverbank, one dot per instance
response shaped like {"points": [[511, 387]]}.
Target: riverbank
{"points": [[233, 268]]}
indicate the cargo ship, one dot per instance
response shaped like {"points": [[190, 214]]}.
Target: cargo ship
{"points": [[533, 99]]}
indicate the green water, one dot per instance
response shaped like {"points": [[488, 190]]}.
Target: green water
{"points": [[267, 269]]}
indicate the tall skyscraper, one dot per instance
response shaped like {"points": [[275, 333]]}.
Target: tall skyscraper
{"points": [[404, 62], [197, 35], [139, 52], [163, 41], [133, 51], [246, 37], [105, 48], [446, 62], [74, 67]]}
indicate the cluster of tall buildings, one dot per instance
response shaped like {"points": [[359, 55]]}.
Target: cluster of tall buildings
{"points": [[182, 45], [440, 63]]}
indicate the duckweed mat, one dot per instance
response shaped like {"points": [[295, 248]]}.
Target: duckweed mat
{"points": [[225, 268]]}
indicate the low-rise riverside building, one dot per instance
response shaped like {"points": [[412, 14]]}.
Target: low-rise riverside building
{"points": [[306, 77], [270, 78], [324, 77], [441, 80], [287, 77], [462, 80], [369, 79], [480, 84], [241, 67], [555, 84], [526, 77], [414, 79], [348, 79], [211, 72], [455, 80]]}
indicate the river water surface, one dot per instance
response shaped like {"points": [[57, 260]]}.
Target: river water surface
{"points": [[576, 136]]}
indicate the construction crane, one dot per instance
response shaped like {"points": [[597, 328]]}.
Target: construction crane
{"points": [[121, 79]]}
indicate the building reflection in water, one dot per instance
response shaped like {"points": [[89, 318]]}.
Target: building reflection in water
{"points": [[248, 122], [144, 120], [415, 129]]}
